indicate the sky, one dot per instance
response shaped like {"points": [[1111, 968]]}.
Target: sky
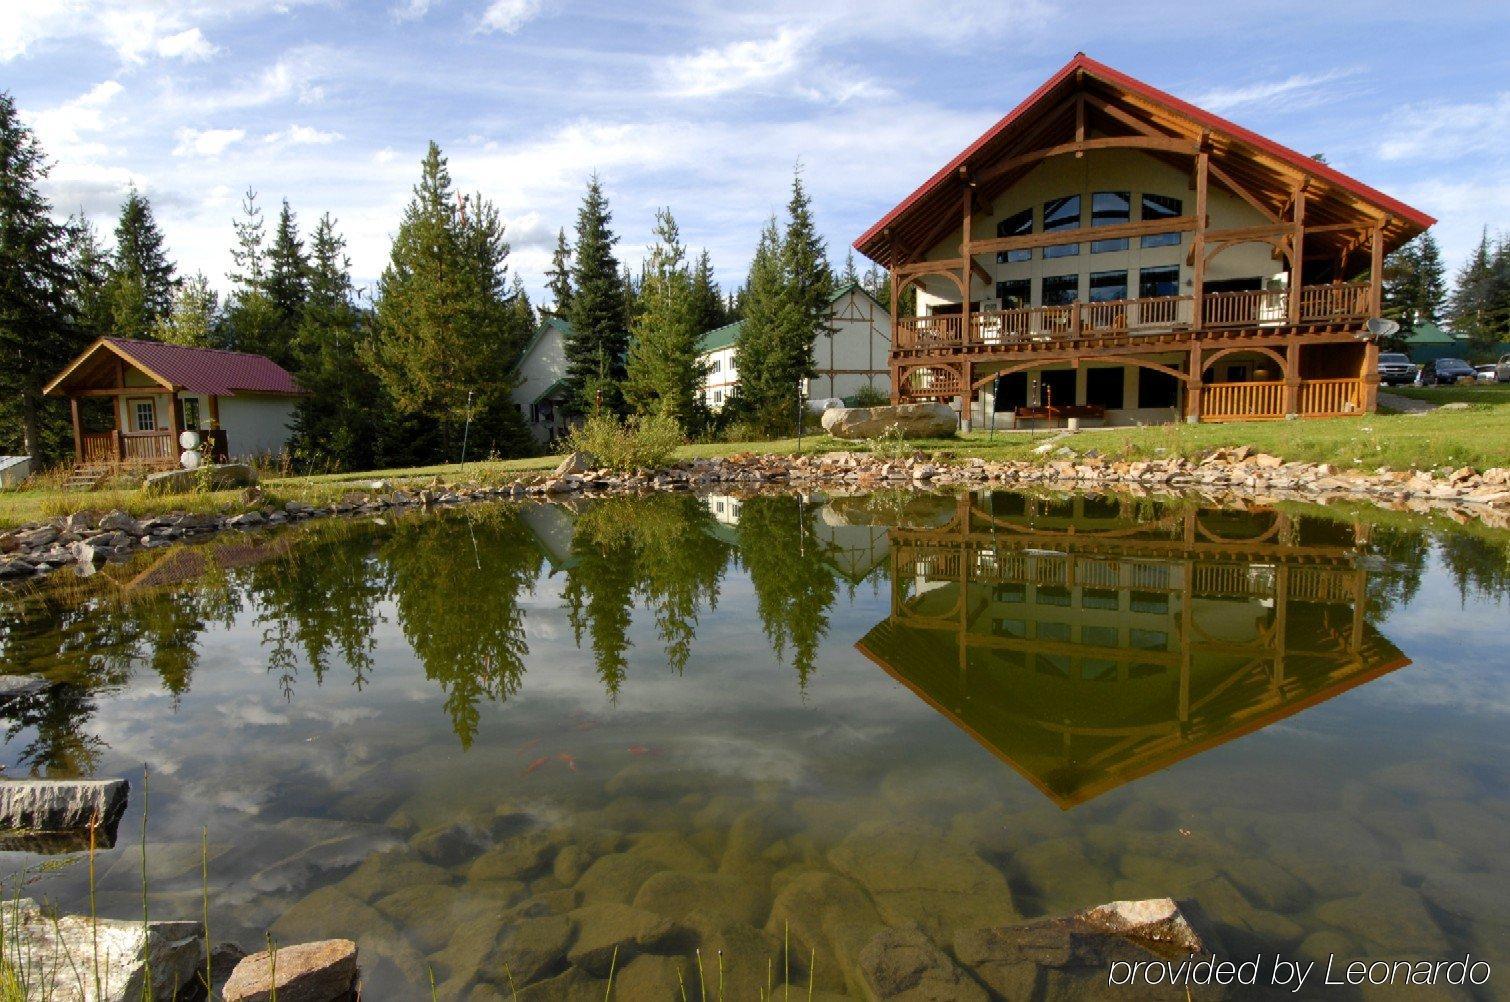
{"points": [[706, 108]]}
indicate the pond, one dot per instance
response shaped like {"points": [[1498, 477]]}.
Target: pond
{"points": [[758, 729]]}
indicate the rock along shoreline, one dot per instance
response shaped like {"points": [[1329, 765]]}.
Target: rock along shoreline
{"points": [[84, 540]]}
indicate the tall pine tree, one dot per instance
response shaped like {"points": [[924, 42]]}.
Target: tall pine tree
{"points": [[251, 321], [444, 325], [665, 374], [558, 276], [762, 302], [193, 320], [142, 279], [287, 286], [36, 333], [89, 278], [596, 347], [1472, 306], [707, 301]]}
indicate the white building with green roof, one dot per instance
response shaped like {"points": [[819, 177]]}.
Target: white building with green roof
{"points": [[851, 354], [540, 393]]}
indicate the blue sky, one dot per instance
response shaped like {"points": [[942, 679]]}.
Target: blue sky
{"points": [[703, 107]]}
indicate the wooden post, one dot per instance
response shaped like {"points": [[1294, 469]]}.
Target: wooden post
{"points": [[175, 423], [896, 372], [967, 211], [1297, 251], [967, 409], [1198, 243], [1292, 378], [215, 410], [1193, 387], [1375, 269], [78, 430], [1369, 378]]}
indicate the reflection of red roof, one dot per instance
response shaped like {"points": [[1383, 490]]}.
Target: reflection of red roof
{"points": [[209, 370]]}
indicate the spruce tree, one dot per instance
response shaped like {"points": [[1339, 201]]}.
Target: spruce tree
{"points": [[193, 319], [664, 372], [444, 325], [89, 278], [251, 321], [598, 341], [558, 276], [142, 278], [849, 276], [1473, 292], [761, 307], [707, 302], [287, 286], [36, 335]]}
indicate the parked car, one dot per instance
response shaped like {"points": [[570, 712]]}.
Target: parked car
{"points": [[1502, 370], [1446, 371], [1487, 373], [1395, 369]]}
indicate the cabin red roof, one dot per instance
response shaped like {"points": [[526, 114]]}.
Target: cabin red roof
{"points": [[208, 370], [1415, 219]]}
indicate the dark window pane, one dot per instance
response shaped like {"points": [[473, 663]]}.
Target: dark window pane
{"points": [[1149, 601], [1012, 256], [1109, 208], [1014, 293], [1102, 246], [1060, 290], [1107, 286], [1154, 282], [1104, 387], [1098, 636], [1156, 390], [1058, 387], [1061, 250], [1161, 239], [1061, 214], [1019, 224], [1011, 391], [1098, 598], [1161, 207], [1097, 670]]}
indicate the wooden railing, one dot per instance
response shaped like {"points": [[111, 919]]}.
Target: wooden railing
{"points": [[1255, 308], [1242, 401], [100, 446], [1330, 396], [154, 448]]}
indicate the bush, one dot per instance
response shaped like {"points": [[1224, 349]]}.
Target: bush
{"points": [[869, 396], [640, 443]]}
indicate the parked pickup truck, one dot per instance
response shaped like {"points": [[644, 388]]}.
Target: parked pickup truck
{"points": [[1395, 370]]}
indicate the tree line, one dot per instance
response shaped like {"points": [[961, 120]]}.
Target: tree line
{"points": [[1476, 305], [400, 374]]}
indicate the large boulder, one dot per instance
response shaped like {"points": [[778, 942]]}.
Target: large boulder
{"points": [[30, 807], [904, 964], [309, 972], [215, 478], [133, 961], [910, 420]]}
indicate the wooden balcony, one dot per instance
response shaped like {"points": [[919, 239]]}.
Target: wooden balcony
{"points": [[142, 448], [1258, 401], [1056, 325]]}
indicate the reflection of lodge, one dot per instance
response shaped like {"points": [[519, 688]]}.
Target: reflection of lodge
{"points": [[1087, 649]]}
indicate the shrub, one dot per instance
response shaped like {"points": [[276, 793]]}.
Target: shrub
{"points": [[640, 443], [869, 396]]}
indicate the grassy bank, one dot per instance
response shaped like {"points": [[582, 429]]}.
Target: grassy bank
{"points": [[1478, 437]]}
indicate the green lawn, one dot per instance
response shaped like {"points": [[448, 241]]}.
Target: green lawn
{"points": [[1478, 393], [1478, 437]]}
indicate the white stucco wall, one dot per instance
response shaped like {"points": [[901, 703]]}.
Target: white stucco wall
{"points": [[255, 425], [541, 367], [720, 377]]}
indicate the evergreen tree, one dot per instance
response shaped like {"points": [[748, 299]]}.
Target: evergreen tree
{"points": [[89, 278], [193, 319], [287, 286], [664, 372], [1471, 309], [445, 330], [1413, 288], [338, 423], [596, 347], [142, 279], [760, 308], [849, 276], [558, 276], [251, 320], [707, 302], [36, 335]]}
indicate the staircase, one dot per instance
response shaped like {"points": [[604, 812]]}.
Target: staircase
{"points": [[86, 477]]}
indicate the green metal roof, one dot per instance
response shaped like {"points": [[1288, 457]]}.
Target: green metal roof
{"points": [[551, 390], [1427, 332], [720, 337], [548, 322]]}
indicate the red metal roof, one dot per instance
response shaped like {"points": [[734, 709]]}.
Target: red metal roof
{"points": [[209, 370], [1214, 122]]}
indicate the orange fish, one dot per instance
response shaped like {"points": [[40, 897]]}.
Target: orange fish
{"points": [[532, 742], [569, 759], [644, 750], [536, 764]]}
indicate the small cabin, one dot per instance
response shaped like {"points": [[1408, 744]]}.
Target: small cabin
{"points": [[540, 382], [148, 392]]}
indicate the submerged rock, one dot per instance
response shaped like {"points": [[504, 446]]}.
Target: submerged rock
{"points": [[905, 964], [134, 961], [608, 929], [30, 806], [309, 972]]}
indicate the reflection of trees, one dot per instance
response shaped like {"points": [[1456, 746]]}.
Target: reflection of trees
{"points": [[1476, 565], [1402, 553], [794, 585], [656, 550], [456, 581]]}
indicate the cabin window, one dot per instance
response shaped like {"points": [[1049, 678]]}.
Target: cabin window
{"points": [[718, 396], [1019, 224], [143, 415], [1061, 214], [1155, 389], [1058, 387], [1103, 387], [1011, 391], [1014, 293], [714, 365], [1110, 208], [1059, 290], [191, 412], [1155, 282], [1108, 286], [1157, 207]]}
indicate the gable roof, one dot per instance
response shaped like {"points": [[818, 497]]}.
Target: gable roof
{"points": [[720, 337], [549, 323], [179, 368], [1040, 121], [1427, 332]]}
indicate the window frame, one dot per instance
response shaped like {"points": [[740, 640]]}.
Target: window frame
{"points": [[1043, 289], [1090, 288], [1142, 281], [135, 403], [1002, 230], [1168, 212]]}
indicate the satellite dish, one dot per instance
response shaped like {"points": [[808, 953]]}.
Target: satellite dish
{"points": [[189, 439], [1381, 328], [189, 459]]}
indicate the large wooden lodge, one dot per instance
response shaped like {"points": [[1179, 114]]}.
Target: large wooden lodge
{"points": [[1108, 251]]}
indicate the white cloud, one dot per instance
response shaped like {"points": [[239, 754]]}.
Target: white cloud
{"points": [[385, 155], [1442, 131], [508, 16], [62, 126], [1297, 90], [751, 64], [301, 135], [190, 45], [410, 10], [205, 142]]}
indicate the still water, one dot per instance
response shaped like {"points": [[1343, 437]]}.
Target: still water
{"points": [[487, 741]]}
